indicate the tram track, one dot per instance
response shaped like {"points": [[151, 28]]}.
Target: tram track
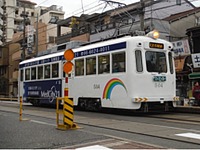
{"points": [[111, 129], [170, 116], [144, 134], [35, 112]]}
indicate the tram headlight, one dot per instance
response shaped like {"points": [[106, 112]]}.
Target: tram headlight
{"points": [[153, 34]]}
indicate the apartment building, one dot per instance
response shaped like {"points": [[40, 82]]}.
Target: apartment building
{"points": [[41, 20], [125, 19], [86, 27]]}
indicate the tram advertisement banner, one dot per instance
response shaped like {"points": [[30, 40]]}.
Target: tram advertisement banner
{"points": [[45, 91]]}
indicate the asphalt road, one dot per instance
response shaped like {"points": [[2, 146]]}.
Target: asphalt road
{"points": [[108, 130], [34, 134]]}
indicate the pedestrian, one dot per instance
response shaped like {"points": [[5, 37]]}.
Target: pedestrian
{"points": [[196, 92]]}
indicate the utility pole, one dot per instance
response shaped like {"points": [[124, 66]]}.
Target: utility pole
{"points": [[36, 38], [24, 15], [142, 15]]}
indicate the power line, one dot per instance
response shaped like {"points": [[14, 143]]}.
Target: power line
{"points": [[100, 5]]}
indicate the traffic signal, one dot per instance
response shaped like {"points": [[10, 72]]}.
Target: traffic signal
{"points": [[69, 56]]}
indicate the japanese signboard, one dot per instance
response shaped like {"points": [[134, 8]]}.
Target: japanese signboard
{"points": [[181, 48], [30, 38], [196, 60]]}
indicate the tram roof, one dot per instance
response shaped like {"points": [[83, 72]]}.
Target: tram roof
{"points": [[91, 46]]}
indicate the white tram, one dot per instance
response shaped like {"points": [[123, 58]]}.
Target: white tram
{"points": [[130, 72]]}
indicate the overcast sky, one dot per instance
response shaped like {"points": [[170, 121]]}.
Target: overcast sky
{"points": [[77, 7]]}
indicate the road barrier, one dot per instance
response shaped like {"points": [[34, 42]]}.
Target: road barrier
{"points": [[21, 109], [67, 112]]}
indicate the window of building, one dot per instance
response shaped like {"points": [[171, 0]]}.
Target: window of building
{"points": [[118, 62], [54, 19], [32, 14], [40, 72], [55, 70], [104, 64], [33, 73], [138, 59], [178, 2], [47, 71], [27, 74], [16, 12], [91, 66], [51, 39], [1, 53], [79, 67]]}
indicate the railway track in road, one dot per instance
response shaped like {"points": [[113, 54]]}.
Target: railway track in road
{"points": [[124, 124]]}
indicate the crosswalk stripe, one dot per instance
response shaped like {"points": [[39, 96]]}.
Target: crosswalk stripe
{"points": [[99, 147], [189, 135]]}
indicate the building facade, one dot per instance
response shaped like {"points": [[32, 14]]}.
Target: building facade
{"points": [[23, 16], [51, 28]]}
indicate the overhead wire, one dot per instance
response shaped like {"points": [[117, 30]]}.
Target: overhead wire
{"points": [[102, 4], [161, 7]]}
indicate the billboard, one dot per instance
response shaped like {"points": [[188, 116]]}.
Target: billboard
{"points": [[45, 91]]}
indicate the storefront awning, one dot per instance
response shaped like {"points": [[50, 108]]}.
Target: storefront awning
{"points": [[194, 75]]}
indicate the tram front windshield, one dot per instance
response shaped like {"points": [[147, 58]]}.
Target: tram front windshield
{"points": [[156, 62]]}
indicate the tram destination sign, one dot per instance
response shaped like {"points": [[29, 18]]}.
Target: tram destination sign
{"points": [[156, 45]]}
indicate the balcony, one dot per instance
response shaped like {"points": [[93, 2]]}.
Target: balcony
{"points": [[1, 22], [1, 10], [63, 38], [55, 8]]}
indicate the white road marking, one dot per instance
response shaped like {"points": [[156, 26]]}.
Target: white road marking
{"points": [[41, 122], [96, 147], [190, 130], [189, 135]]}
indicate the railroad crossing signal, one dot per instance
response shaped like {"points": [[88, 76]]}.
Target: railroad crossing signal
{"points": [[69, 56]]}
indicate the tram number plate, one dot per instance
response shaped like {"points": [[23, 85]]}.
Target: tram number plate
{"points": [[158, 85], [159, 78]]}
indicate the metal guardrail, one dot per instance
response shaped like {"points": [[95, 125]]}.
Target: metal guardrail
{"points": [[8, 99]]}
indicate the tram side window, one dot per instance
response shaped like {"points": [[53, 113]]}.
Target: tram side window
{"points": [[118, 62], [21, 75], [27, 74], [33, 73], [79, 67], [47, 71], [40, 72], [104, 64], [91, 66], [55, 72], [138, 58], [171, 63]]}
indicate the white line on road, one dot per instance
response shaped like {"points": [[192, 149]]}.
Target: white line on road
{"points": [[189, 135], [41, 122], [97, 147]]}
